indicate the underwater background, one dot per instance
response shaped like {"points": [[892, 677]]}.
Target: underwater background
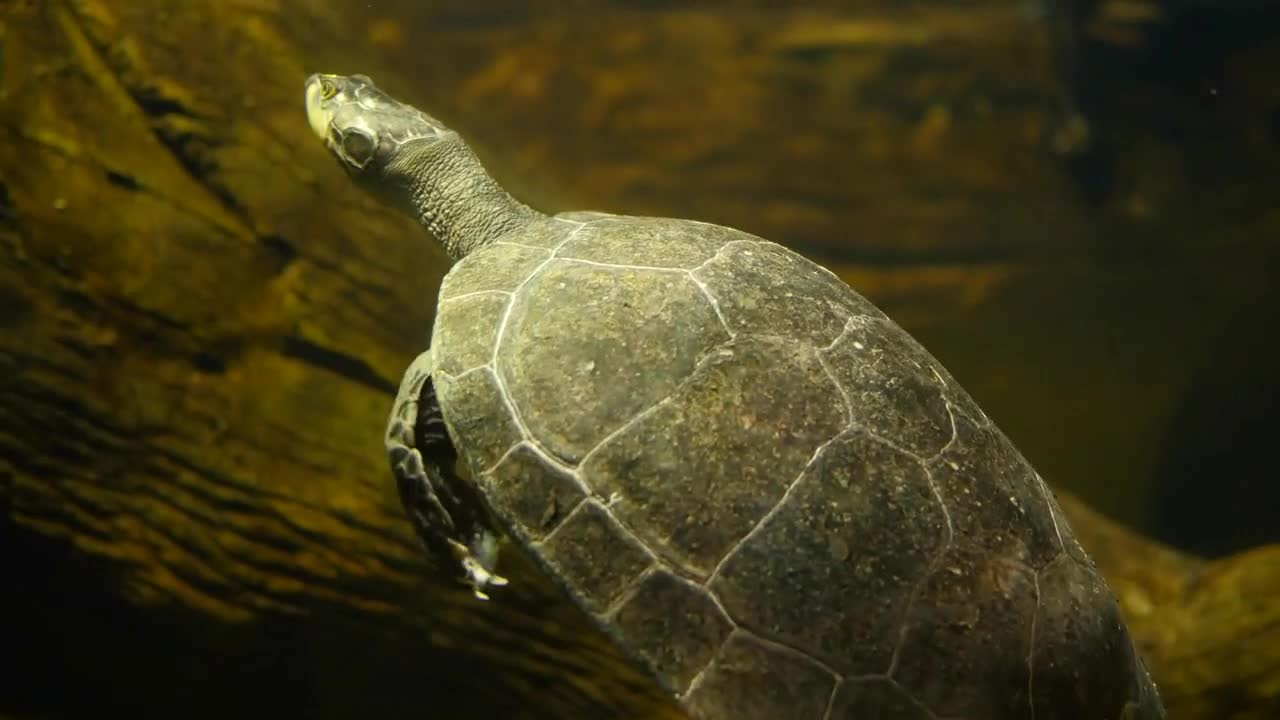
{"points": [[1073, 205]]}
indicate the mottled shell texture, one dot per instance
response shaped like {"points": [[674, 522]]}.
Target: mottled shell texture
{"points": [[764, 487]]}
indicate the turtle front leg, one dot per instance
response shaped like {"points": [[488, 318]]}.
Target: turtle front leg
{"points": [[422, 457]]}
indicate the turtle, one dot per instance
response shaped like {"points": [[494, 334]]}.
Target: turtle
{"points": [[764, 490]]}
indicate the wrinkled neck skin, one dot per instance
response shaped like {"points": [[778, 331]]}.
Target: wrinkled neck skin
{"points": [[455, 199]]}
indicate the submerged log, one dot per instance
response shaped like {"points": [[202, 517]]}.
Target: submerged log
{"points": [[1210, 631], [201, 324]]}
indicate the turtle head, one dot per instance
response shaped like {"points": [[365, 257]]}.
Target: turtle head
{"points": [[365, 129], [410, 161]]}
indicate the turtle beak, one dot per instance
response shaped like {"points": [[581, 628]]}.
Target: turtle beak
{"points": [[319, 115]]}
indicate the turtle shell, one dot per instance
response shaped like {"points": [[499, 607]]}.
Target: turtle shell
{"points": [[762, 487]]}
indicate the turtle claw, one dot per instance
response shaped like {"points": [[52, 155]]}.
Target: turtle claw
{"points": [[474, 572]]}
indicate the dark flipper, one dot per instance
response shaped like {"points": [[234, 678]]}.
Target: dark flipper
{"points": [[445, 516]]}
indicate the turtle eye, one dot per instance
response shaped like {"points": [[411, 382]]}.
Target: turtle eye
{"points": [[327, 89], [358, 147]]}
